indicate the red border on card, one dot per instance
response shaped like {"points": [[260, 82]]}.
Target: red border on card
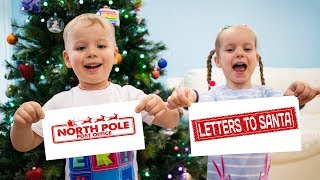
{"points": [[199, 128], [98, 137]]}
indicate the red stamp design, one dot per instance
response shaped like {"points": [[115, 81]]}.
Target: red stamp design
{"points": [[93, 128], [245, 124]]}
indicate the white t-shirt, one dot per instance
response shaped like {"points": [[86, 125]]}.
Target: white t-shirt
{"points": [[121, 165]]}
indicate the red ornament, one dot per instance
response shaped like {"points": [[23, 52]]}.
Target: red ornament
{"points": [[26, 71], [34, 174], [155, 74], [12, 39]]}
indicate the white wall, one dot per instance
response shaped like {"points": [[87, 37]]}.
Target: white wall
{"points": [[6, 49], [287, 31]]}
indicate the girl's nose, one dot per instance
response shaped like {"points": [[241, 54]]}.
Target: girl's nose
{"points": [[239, 53]]}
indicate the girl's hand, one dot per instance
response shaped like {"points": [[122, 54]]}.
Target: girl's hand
{"points": [[181, 97], [303, 91]]}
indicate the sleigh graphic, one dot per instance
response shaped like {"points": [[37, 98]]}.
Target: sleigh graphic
{"points": [[89, 120]]}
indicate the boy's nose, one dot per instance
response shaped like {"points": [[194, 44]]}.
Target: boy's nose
{"points": [[91, 53]]}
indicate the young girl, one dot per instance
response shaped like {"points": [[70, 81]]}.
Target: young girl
{"points": [[237, 55]]}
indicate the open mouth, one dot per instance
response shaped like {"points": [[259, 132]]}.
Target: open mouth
{"points": [[239, 67], [92, 66]]}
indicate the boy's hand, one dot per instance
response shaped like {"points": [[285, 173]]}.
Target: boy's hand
{"points": [[154, 105], [303, 91], [28, 113], [181, 97]]}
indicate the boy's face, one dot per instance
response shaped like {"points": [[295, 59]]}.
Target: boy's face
{"points": [[91, 53], [237, 56]]}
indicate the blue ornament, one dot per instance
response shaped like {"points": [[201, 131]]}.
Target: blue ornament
{"points": [[162, 63]]}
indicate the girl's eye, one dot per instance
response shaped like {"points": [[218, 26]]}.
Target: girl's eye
{"points": [[229, 50], [101, 46], [247, 49]]}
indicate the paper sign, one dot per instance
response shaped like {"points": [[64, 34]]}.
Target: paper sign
{"points": [[91, 130], [245, 126]]}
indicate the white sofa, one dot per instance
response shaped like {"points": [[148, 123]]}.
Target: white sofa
{"points": [[303, 165]]}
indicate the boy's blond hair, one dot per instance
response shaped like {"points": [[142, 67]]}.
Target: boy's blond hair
{"points": [[93, 18]]}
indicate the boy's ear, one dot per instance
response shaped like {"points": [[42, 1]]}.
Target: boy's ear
{"points": [[66, 59], [216, 60], [115, 60]]}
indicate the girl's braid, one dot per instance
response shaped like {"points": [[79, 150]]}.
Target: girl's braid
{"points": [[209, 66], [261, 71]]}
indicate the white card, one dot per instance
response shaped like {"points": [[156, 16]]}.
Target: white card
{"points": [[245, 126], [91, 130]]}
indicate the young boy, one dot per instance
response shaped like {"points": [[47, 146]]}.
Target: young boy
{"points": [[90, 50]]}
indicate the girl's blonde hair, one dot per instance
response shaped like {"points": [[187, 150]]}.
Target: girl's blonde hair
{"points": [[216, 50]]}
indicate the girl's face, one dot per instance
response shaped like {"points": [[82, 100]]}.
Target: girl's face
{"points": [[91, 54], [237, 56]]}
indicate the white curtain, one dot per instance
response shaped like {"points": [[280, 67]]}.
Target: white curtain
{"points": [[5, 48]]}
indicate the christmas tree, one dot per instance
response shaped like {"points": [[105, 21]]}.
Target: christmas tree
{"points": [[38, 72]]}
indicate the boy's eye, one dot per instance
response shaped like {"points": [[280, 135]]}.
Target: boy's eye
{"points": [[80, 48], [229, 50], [247, 49], [101, 46]]}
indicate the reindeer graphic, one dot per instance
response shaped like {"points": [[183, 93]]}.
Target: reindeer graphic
{"points": [[87, 120], [113, 117], [100, 119]]}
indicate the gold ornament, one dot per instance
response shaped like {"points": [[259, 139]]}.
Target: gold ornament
{"points": [[11, 90], [12, 39], [119, 58]]}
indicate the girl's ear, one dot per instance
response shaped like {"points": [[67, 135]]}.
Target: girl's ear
{"points": [[258, 59], [66, 59], [217, 61]]}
